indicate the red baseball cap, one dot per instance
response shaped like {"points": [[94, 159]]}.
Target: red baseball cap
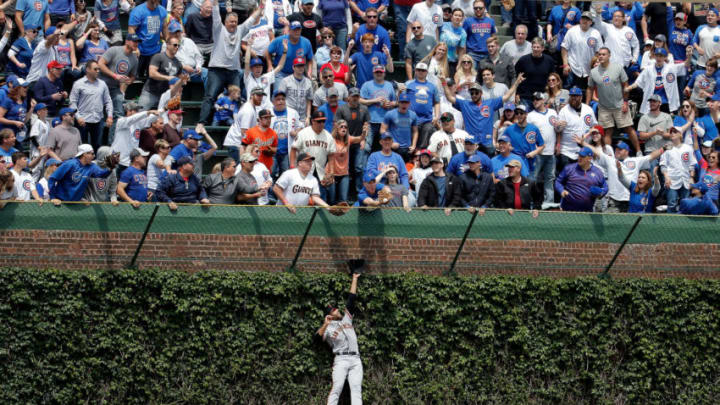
{"points": [[600, 129], [55, 64], [299, 61], [178, 111]]}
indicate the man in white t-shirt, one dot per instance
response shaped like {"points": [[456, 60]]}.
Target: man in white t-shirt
{"points": [[546, 119], [316, 142], [429, 15], [490, 88], [442, 141], [517, 48], [297, 186], [24, 183]]}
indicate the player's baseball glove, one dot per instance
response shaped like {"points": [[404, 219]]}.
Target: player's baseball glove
{"points": [[356, 266], [173, 104], [385, 195], [112, 160], [340, 209]]}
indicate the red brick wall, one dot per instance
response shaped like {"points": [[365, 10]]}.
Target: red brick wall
{"points": [[73, 250]]}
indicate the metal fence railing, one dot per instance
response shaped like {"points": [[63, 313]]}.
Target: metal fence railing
{"points": [[428, 239]]}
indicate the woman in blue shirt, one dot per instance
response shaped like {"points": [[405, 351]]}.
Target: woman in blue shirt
{"points": [[21, 52], [642, 192], [455, 37], [336, 15], [13, 111], [92, 46]]}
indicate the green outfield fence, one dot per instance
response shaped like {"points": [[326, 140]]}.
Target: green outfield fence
{"points": [[429, 224]]}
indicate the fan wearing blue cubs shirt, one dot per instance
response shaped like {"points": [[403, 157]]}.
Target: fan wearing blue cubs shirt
{"points": [[581, 183], [425, 102], [402, 123], [525, 139], [381, 38], [367, 59], [479, 113], [132, 186], [700, 202], [146, 21], [380, 160], [478, 28], [69, 181], [297, 47]]}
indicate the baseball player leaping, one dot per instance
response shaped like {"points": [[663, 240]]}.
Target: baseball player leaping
{"points": [[339, 333]]}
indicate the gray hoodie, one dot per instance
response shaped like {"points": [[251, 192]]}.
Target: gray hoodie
{"points": [[102, 189]]}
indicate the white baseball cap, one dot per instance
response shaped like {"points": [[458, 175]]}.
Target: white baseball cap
{"points": [[421, 66], [83, 149]]}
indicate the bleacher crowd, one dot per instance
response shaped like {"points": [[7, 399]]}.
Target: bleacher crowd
{"points": [[594, 106]]}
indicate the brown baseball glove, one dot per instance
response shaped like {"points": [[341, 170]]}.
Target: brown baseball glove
{"points": [[385, 195], [340, 209], [112, 160], [173, 104]]}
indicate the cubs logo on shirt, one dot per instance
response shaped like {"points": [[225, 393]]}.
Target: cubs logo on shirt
{"points": [[436, 18], [309, 24], [38, 6], [299, 53], [570, 15], [77, 177], [553, 120], [606, 80], [122, 67], [101, 183], [26, 185], [592, 42], [373, 1], [629, 35], [629, 164], [530, 137], [485, 111], [670, 77], [137, 134], [588, 120], [685, 157], [703, 84], [374, 60]]}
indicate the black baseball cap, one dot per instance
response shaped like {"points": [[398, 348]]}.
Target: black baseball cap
{"points": [[446, 117], [318, 116]]}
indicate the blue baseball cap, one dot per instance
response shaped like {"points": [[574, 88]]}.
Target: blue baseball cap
{"points": [[66, 110], [256, 62], [386, 135], [585, 152], [191, 134], [132, 37], [279, 92], [204, 147], [622, 145], [715, 97], [12, 79], [369, 176], [509, 106], [52, 161], [474, 159], [173, 80], [503, 138], [660, 51], [295, 25], [50, 31], [700, 186], [55, 122], [575, 91], [40, 106], [471, 139], [404, 97], [174, 26]]}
